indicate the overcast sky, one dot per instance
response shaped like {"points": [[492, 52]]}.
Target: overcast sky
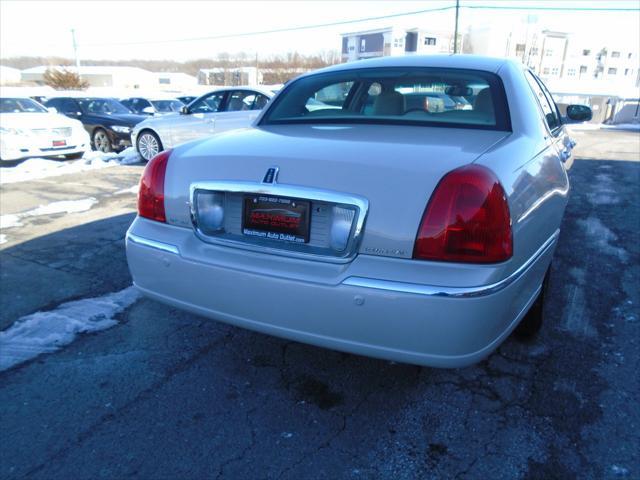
{"points": [[110, 30]]}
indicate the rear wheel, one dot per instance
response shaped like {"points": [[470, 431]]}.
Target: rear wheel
{"points": [[149, 145], [530, 325], [101, 141]]}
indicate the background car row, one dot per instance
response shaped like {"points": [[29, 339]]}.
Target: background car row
{"points": [[151, 124]]}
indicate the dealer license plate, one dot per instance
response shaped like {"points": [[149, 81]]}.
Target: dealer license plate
{"points": [[276, 218]]}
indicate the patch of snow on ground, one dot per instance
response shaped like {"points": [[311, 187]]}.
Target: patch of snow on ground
{"points": [[64, 206], [623, 126], [45, 332], [603, 237], [37, 168], [133, 189], [3, 239], [10, 221]]}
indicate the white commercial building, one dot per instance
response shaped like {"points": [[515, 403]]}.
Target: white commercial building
{"points": [[9, 76], [177, 81], [99, 76]]}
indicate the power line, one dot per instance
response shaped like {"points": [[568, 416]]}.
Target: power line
{"points": [[368, 19], [278, 30]]}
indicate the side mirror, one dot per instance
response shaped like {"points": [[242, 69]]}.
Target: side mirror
{"points": [[184, 110], [579, 113], [148, 110], [52, 110]]}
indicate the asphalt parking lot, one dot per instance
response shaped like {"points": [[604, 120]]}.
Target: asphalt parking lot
{"points": [[167, 394]]}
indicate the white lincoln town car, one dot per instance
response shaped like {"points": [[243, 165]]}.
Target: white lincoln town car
{"points": [[355, 216]]}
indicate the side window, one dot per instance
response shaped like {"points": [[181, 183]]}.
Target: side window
{"points": [[551, 102], [68, 106], [261, 102], [208, 104], [549, 110], [241, 100], [128, 103]]}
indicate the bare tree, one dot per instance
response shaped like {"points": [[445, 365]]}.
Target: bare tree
{"points": [[64, 80]]}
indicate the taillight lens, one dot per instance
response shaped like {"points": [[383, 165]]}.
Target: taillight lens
{"points": [[151, 193], [466, 220]]}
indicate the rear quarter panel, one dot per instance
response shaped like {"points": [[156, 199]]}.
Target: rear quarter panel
{"points": [[530, 170]]}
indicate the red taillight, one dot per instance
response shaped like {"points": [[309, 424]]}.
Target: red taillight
{"points": [[151, 193], [466, 220]]}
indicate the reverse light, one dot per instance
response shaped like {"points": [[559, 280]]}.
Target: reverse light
{"points": [[466, 220], [151, 192]]}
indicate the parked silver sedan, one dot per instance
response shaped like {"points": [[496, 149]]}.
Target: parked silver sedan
{"points": [[368, 226], [222, 109]]}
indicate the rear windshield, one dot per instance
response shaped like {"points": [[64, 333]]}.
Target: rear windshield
{"points": [[416, 96]]}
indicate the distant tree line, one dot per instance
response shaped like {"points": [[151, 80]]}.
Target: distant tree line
{"points": [[276, 68]]}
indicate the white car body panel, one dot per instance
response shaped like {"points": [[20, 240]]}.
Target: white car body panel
{"points": [[379, 302], [38, 131]]}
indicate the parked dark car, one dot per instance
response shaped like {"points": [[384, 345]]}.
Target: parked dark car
{"points": [[108, 122], [153, 105], [187, 99]]}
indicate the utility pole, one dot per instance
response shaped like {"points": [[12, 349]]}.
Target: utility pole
{"points": [[455, 34], [75, 50]]}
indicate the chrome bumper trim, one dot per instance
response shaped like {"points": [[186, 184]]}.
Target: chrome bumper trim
{"points": [[455, 292], [164, 247]]}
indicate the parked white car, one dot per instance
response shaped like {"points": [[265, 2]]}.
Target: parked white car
{"points": [[217, 111], [27, 129], [372, 228]]}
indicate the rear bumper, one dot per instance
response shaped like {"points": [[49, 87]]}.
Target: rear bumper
{"points": [[10, 150], [407, 322]]}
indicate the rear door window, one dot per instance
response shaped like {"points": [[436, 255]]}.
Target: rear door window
{"points": [[549, 108]]}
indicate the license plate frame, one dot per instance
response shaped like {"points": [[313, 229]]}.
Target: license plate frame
{"points": [[276, 218]]}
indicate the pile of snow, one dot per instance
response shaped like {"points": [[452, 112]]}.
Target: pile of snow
{"points": [[64, 206], [37, 168], [133, 189], [45, 332], [3, 239]]}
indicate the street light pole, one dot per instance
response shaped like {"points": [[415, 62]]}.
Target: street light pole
{"points": [[75, 50], [455, 34]]}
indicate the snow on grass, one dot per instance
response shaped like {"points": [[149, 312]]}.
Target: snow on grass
{"points": [[37, 168], [64, 206], [3, 239], [45, 332]]}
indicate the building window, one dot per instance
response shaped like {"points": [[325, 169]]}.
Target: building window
{"points": [[164, 81], [363, 45], [612, 71], [586, 53], [520, 49], [534, 51], [554, 71], [545, 71], [548, 52], [583, 69], [571, 72], [615, 54], [398, 42], [429, 41], [627, 71], [630, 54]]}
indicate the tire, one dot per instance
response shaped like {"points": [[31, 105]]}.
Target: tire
{"points": [[74, 156], [101, 141], [148, 145], [530, 325]]}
